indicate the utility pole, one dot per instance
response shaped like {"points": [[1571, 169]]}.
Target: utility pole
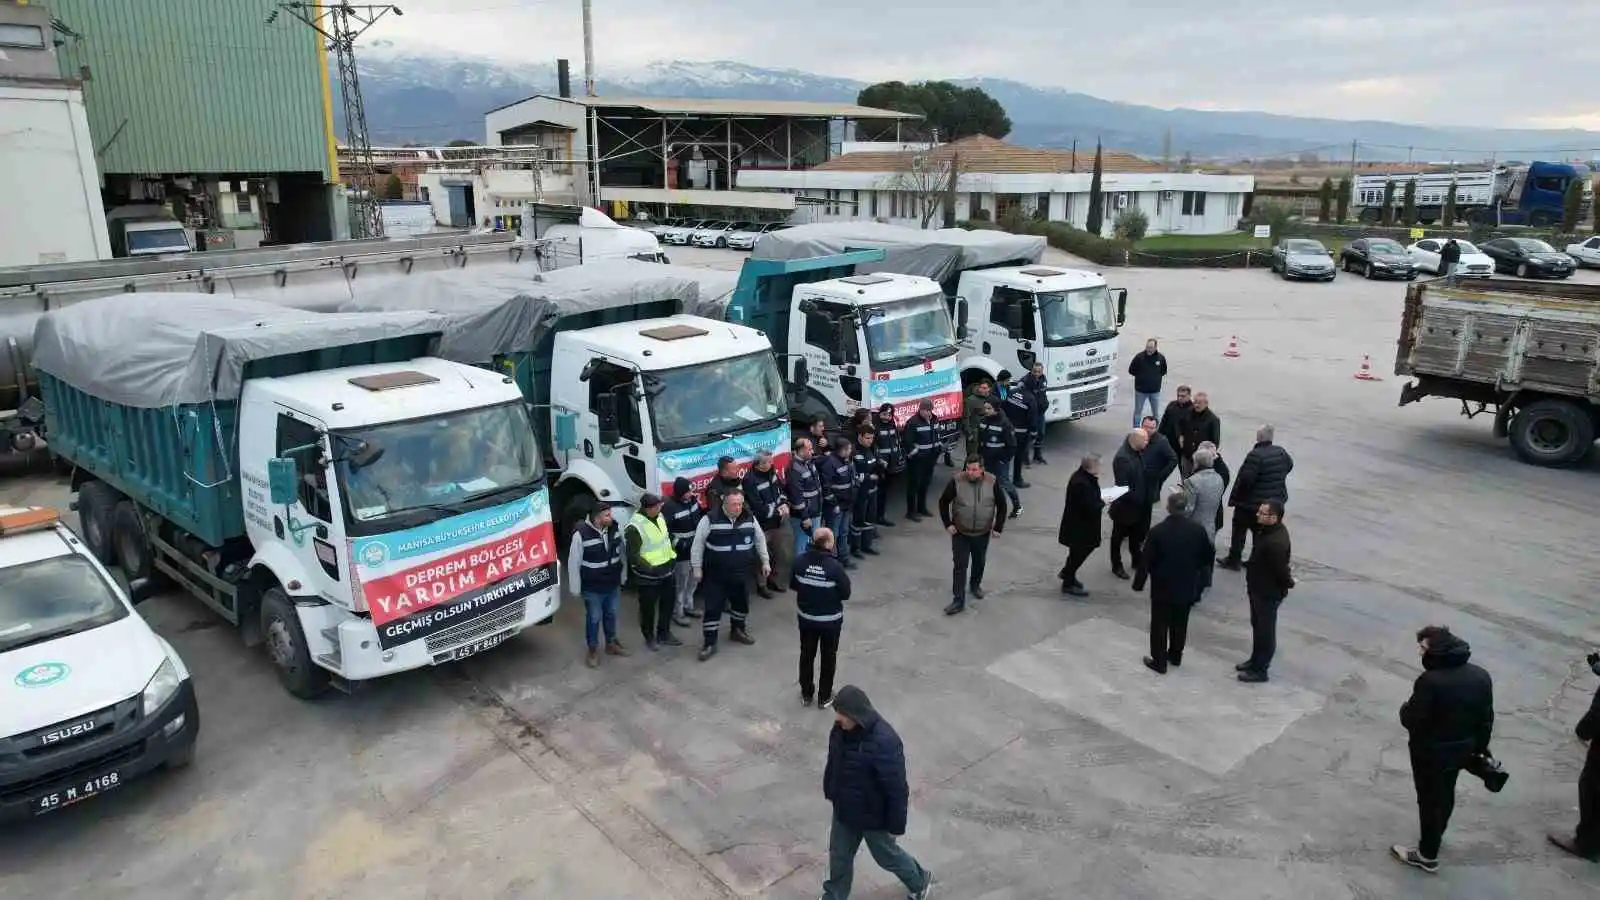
{"points": [[588, 49], [1352, 162], [1074, 155], [340, 24]]}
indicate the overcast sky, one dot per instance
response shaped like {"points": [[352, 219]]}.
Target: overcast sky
{"points": [[1512, 63]]}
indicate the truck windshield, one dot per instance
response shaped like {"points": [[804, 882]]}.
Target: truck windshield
{"points": [[707, 400], [52, 598], [165, 240], [462, 459], [1074, 317], [904, 333]]}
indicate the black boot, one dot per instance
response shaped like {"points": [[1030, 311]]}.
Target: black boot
{"points": [[957, 605]]}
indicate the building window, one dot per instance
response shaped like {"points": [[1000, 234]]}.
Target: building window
{"points": [[1233, 206], [243, 201], [423, 193], [1066, 209], [1194, 203], [30, 37], [872, 204], [1042, 204], [973, 205]]}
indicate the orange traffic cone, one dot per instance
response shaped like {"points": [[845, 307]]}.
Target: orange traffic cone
{"points": [[1366, 370], [1233, 347]]}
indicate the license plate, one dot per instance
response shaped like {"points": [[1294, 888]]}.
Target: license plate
{"points": [[82, 790], [476, 647], [1085, 412]]}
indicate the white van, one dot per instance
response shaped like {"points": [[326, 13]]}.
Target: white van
{"points": [[594, 236], [90, 697]]}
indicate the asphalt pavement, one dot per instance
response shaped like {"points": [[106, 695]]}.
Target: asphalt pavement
{"points": [[1045, 761]]}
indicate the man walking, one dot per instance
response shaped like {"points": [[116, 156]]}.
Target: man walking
{"points": [[1018, 405], [765, 494], [804, 490], [594, 570], [1038, 389], [1268, 580], [972, 508], [728, 549], [972, 414], [893, 457], [865, 779], [651, 559], [1201, 426], [1130, 515], [1174, 419], [997, 444], [923, 447], [1585, 842], [821, 587], [1449, 257], [683, 513], [1147, 369], [1449, 719], [838, 473], [1175, 558], [1080, 522], [868, 470], [1160, 461], [1263, 476]]}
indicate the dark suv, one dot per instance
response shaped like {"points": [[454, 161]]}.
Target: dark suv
{"points": [[1377, 257]]}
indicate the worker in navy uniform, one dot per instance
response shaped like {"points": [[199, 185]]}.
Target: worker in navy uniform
{"points": [[1038, 388], [804, 490], [595, 572], [763, 491], [726, 480], [996, 443], [869, 474], [893, 455], [729, 548], [650, 560], [683, 513], [920, 438], [821, 587], [838, 473], [1018, 405]]}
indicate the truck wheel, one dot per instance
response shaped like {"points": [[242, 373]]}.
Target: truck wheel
{"points": [[130, 542], [97, 503], [286, 645], [1552, 433]]}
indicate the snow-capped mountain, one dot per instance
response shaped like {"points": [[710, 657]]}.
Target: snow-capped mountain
{"points": [[417, 98]]}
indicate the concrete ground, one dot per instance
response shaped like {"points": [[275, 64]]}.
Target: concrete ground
{"points": [[1045, 761]]}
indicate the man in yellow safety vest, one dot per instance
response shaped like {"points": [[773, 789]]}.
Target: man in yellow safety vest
{"points": [[651, 558]]}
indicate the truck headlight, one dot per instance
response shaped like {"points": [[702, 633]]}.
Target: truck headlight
{"points": [[162, 686]]}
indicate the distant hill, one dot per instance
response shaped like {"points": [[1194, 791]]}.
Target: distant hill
{"points": [[425, 99]]}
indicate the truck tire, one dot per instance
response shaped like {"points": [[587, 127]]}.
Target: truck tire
{"points": [[130, 543], [1553, 433], [97, 504], [287, 648]]}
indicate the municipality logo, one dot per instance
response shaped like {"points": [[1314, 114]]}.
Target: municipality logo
{"points": [[538, 503], [374, 554], [42, 675]]}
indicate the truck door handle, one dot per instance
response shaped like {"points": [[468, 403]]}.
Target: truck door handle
{"points": [[277, 527], [986, 347]]}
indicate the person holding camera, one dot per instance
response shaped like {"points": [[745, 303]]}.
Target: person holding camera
{"points": [[1585, 842], [1449, 718]]}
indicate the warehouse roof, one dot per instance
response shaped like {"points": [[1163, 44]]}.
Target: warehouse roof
{"points": [[800, 109], [981, 153]]}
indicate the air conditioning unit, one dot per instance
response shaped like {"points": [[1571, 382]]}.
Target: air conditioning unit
{"points": [[1167, 196]]}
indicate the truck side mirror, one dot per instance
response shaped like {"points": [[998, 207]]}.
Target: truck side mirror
{"points": [[588, 369], [566, 436], [609, 433], [283, 480], [1122, 304], [802, 372]]}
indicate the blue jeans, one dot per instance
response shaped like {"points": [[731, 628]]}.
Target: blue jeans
{"points": [[802, 538], [843, 842], [600, 607], [1000, 468], [840, 523], [1140, 398]]}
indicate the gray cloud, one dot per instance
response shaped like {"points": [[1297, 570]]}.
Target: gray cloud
{"points": [[1466, 62]]}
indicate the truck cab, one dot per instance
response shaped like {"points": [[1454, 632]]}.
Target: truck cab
{"points": [[1010, 318], [146, 229]]}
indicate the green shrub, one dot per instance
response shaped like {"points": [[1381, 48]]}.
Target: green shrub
{"points": [[1131, 225], [982, 215]]}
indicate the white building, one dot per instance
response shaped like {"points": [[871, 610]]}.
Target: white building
{"points": [[904, 188]]}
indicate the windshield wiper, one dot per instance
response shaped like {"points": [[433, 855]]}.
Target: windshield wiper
{"points": [[43, 636]]}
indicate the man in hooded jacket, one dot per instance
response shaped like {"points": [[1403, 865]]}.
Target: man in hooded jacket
{"points": [[1585, 842], [1449, 718], [865, 780]]}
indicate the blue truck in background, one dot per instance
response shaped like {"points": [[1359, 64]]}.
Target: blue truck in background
{"points": [[1532, 194]]}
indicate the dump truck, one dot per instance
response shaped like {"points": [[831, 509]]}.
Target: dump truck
{"points": [[1528, 353], [318, 479], [1007, 310], [630, 392]]}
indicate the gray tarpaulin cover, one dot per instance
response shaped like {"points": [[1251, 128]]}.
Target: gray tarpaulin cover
{"points": [[908, 251], [162, 349], [714, 286]]}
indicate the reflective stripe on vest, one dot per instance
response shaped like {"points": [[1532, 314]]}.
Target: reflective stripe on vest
{"points": [[654, 547], [926, 434], [600, 565], [681, 530], [994, 437], [731, 545]]}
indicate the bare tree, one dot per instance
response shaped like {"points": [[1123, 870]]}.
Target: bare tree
{"points": [[928, 179]]}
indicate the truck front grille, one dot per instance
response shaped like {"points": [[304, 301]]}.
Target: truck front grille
{"points": [[89, 768], [481, 627], [1094, 398]]}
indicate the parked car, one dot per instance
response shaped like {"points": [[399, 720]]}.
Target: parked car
{"points": [[1302, 258], [1586, 253], [712, 234], [660, 228], [1377, 257], [745, 239], [679, 233], [1528, 258], [1474, 263]]}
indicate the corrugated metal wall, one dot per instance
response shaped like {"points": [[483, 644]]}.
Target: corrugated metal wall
{"points": [[202, 86]]}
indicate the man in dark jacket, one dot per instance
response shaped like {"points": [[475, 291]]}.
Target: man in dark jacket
{"points": [[763, 491], [1038, 389], [1018, 408], [1130, 515], [683, 512], [869, 474], [1201, 425], [1263, 476], [893, 456], [728, 480], [1174, 419], [838, 474], [972, 508], [1176, 556], [1160, 461], [1147, 369], [1585, 842], [972, 413], [920, 438], [997, 445], [803, 488], [1449, 717], [1268, 580], [1080, 522], [1449, 256], [865, 779], [821, 587]]}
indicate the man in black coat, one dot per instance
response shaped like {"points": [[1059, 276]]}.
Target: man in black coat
{"points": [[1174, 419], [1449, 717], [866, 781], [1147, 369], [769, 503], [1449, 256], [922, 445], [1176, 555], [728, 480], [1263, 476], [1080, 522], [1585, 842], [1018, 409], [1160, 461], [821, 588], [1130, 515], [1268, 580], [1199, 426], [893, 455], [1038, 389]]}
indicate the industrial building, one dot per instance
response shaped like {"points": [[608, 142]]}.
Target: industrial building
{"points": [[907, 187], [678, 155], [205, 110]]}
